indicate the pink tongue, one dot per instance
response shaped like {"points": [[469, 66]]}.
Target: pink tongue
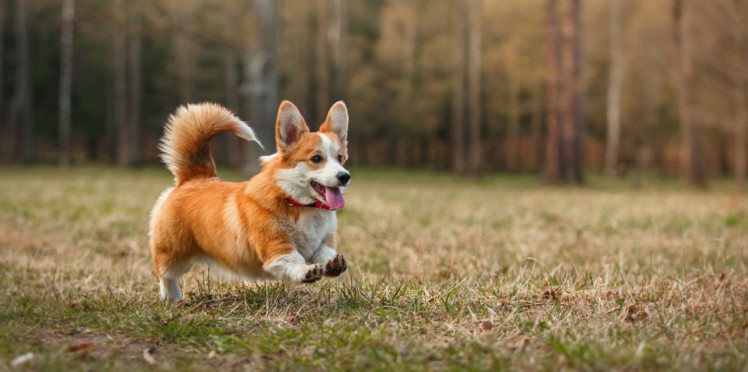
{"points": [[334, 197]]}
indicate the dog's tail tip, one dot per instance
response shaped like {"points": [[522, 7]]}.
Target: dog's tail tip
{"points": [[185, 145], [246, 132]]}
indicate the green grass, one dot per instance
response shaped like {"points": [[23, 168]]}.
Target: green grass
{"points": [[500, 273]]}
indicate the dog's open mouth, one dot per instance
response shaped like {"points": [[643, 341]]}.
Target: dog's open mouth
{"points": [[329, 195]]}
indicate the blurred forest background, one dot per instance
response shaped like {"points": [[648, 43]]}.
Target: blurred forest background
{"points": [[553, 87]]}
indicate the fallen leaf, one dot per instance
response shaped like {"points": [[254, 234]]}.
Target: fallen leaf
{"points": [[486, 325], [84, 348]]}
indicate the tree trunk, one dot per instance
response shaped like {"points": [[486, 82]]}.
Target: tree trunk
{"points": [[66, 80], [614, 90], [184, 50], [405, 97], [572, 147], [432, 144], [119, 59], [263, 74], [537, 130], [459, 162], [473, 91], [512, 129], [337, 39], [400, 151], [136, 78], [692, 168], [553, 161], [322, 65], [231, 91], [741, 121], [300, 87], [23, 100], [4, 126]]}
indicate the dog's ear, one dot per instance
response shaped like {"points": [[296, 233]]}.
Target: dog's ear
{"points": [[337, 122], [289, 126]]}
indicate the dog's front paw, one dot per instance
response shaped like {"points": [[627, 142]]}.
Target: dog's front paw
{"points": [[313, 274], [336, 266]]}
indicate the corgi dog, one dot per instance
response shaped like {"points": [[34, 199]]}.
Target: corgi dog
{"points": [[278, 225]]}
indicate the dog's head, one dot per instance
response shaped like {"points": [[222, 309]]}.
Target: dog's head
{"points": [[310, 165]]}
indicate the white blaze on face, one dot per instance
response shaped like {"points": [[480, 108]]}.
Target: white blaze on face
{"points": [[296, 181], [328, 175]]}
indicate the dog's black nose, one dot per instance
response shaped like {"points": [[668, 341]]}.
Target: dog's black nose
{"points": [[344, 177]]}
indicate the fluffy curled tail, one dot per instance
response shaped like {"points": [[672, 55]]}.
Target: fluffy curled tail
{"points": [[185, 146]]}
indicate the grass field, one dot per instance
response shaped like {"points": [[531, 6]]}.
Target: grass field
{"points": [[505, 273]]}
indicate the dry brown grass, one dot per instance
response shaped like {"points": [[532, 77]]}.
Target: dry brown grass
{"points": [[443, 274]]}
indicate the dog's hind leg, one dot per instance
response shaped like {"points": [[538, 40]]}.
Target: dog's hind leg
{"points": [[169, 282], [170, 289], [170, 270]]}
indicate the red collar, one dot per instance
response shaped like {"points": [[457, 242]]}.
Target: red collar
{"points": [[317, 204]]}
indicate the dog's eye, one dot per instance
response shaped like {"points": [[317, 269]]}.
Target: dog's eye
{"points": [[316, 159], [340, 159]]}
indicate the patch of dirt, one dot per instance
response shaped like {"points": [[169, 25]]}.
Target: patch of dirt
{"points": [[87, 345], [95, 345]]}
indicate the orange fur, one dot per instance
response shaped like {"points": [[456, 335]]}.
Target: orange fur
{"points": [[241, 226]]}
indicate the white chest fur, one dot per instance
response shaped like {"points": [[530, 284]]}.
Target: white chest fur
{"points": [[312, 227]]}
